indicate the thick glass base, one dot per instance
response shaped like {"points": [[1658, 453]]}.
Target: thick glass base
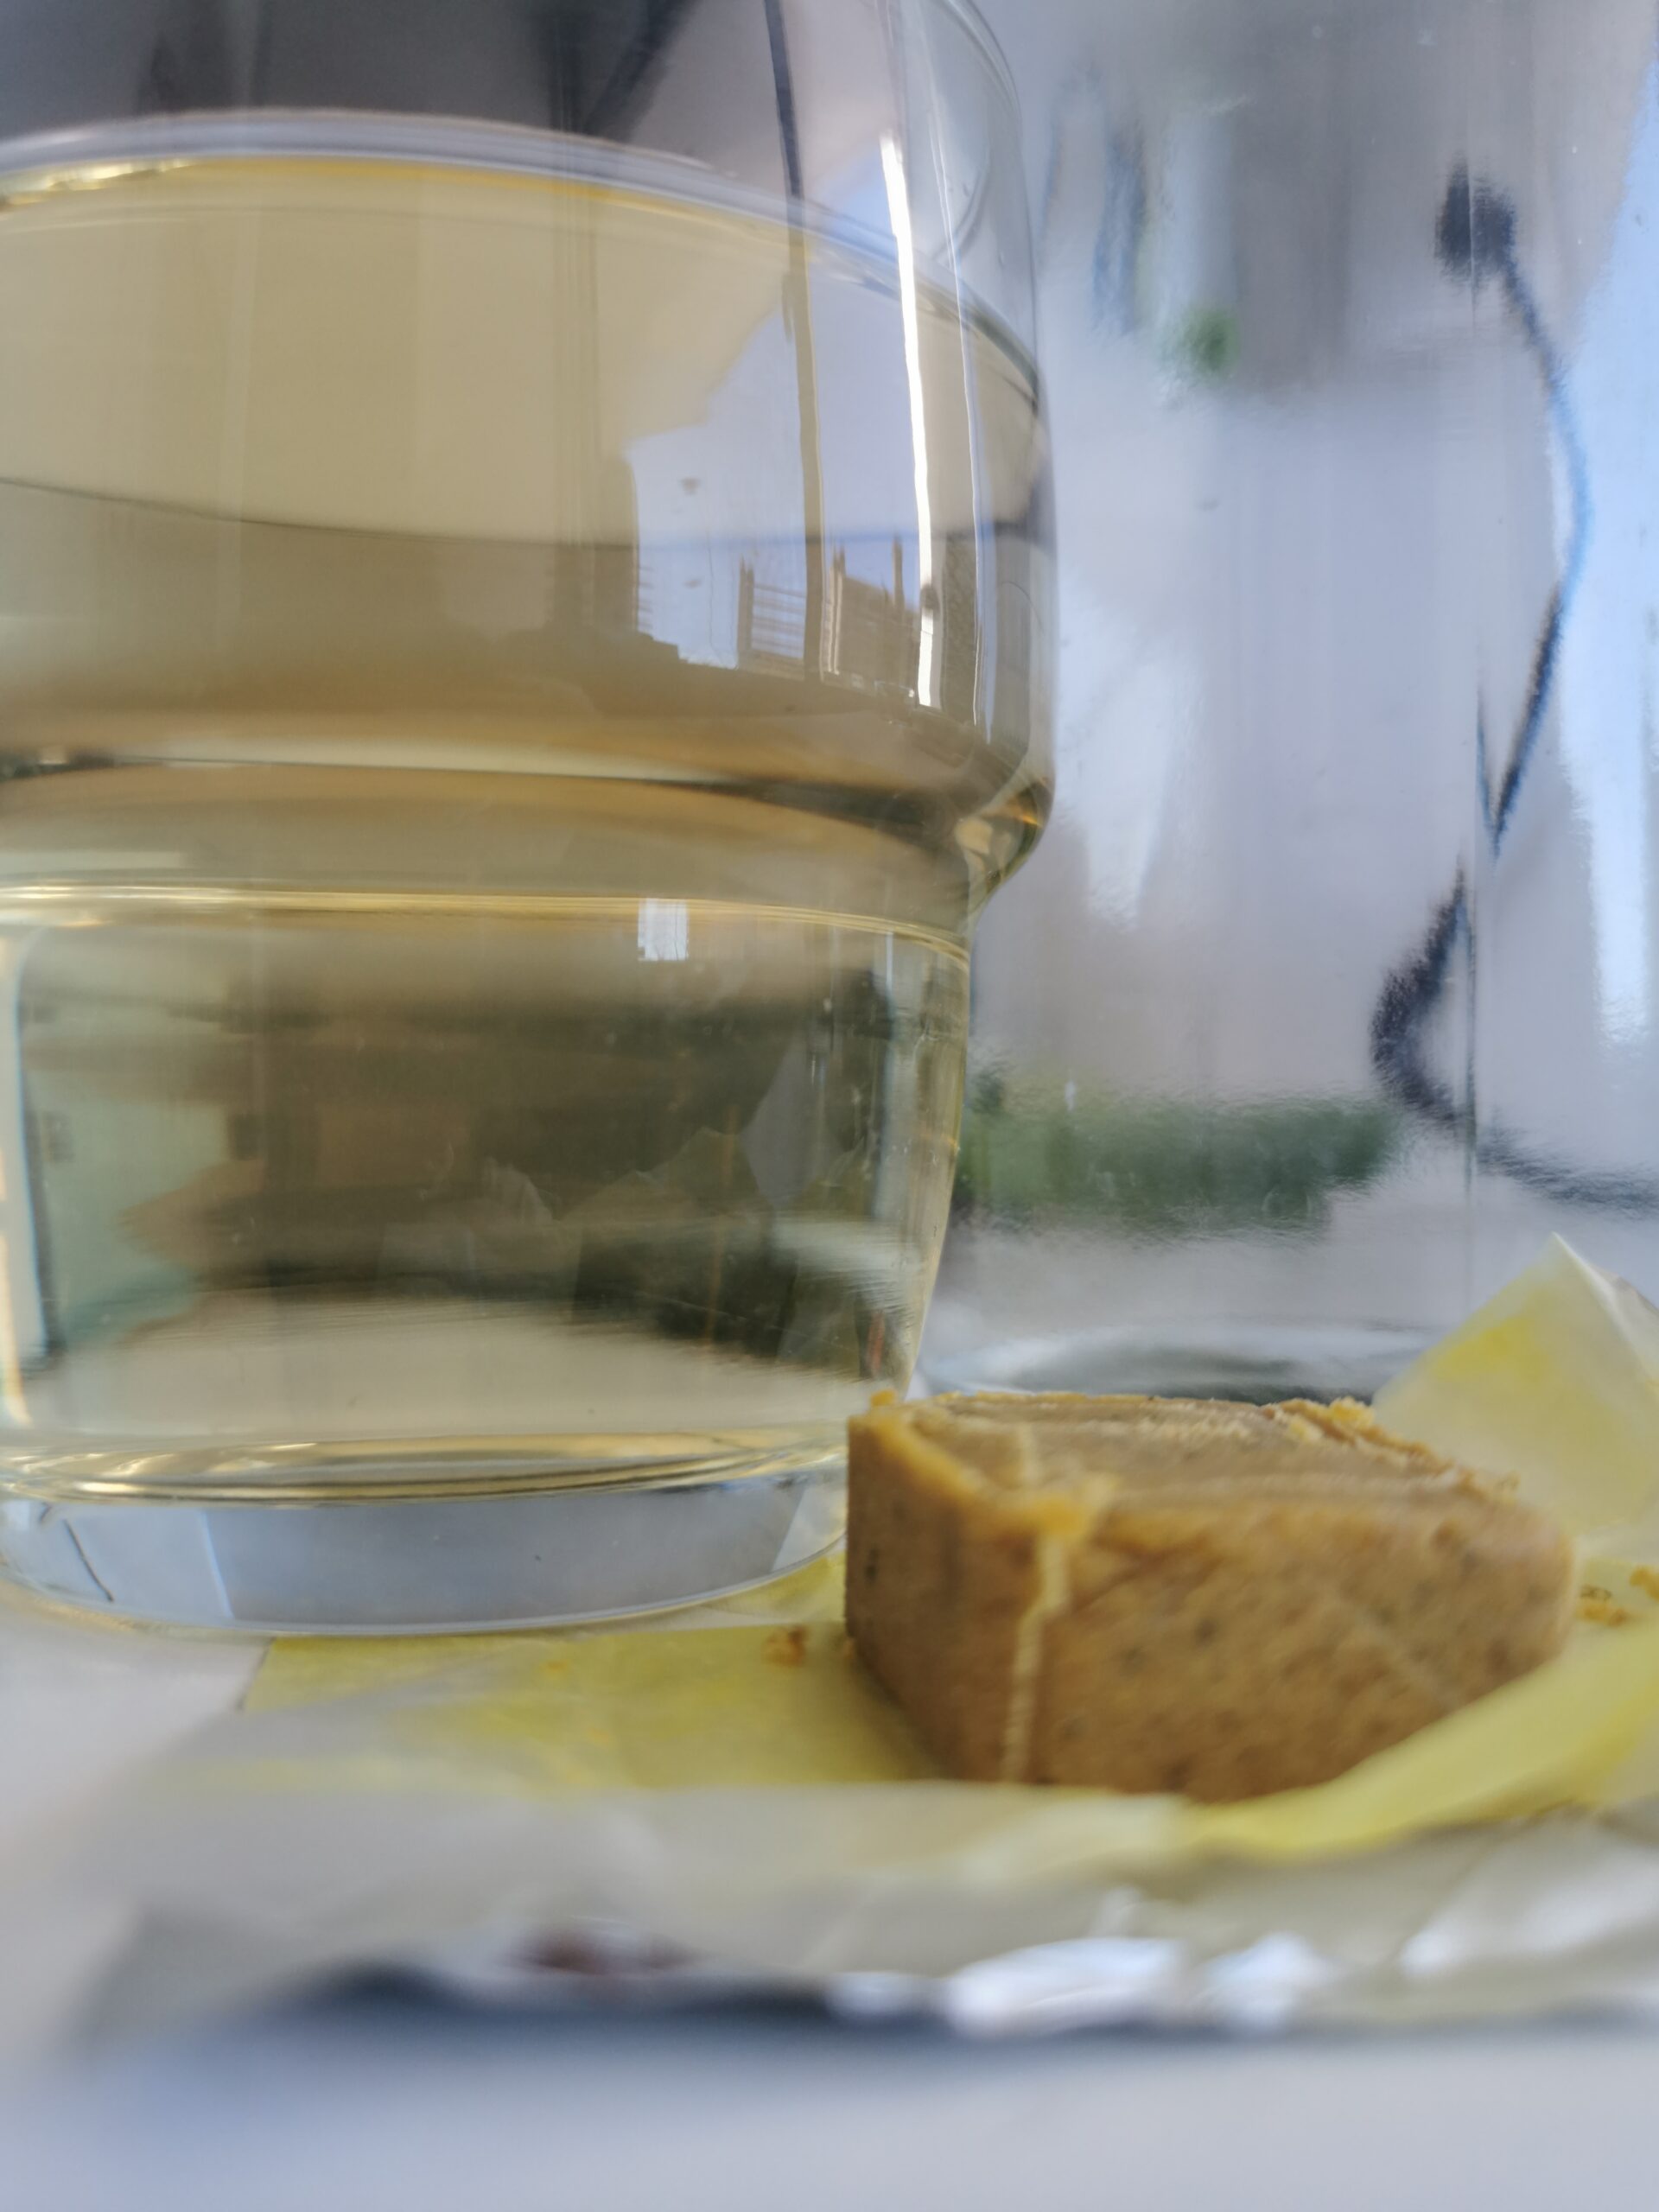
{"points": [[464, 1555], [1262, 1361]]}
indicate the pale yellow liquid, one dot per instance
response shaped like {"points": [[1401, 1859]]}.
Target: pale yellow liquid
{"points": [[496, 798]]}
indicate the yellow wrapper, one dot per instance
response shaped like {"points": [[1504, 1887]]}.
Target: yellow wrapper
{"points": [[1556, 1381]]}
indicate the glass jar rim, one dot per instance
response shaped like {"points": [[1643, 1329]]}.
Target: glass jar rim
{"points": [[36, 162]]}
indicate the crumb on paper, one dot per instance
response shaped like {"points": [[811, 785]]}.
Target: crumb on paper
{"points": [[1600, 1605], [1645, 1579], [785, 1647]]}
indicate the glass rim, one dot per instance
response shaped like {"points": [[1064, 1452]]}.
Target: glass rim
{"points": [[99, 151]]}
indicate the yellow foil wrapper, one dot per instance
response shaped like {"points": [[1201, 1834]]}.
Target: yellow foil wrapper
{"points": [[1555, 1383]]}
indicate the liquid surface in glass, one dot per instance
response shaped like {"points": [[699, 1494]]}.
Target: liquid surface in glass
{"points": [[512, 690]]}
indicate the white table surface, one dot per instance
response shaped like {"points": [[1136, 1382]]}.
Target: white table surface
{"points": [[377, 2102]]}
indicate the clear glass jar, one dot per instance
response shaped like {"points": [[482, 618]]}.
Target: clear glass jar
{"points": [[1333, 991], [522, 588]]}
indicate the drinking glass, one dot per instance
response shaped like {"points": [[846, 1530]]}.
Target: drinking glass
{"points": [[522, 656], [1351, 350]]}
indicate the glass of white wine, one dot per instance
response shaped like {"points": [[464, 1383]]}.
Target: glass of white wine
{"points": [[522, 656]]}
